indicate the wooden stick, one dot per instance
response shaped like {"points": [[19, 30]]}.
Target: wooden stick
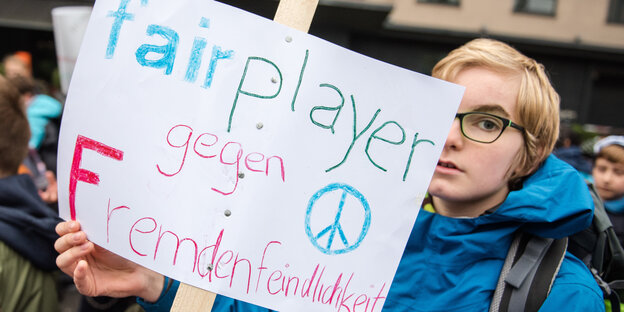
{"points": [[191, 298], [292, 13], [296, 13]]}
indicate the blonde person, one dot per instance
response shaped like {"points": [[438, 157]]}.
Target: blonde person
{"points": [[494, 177]]}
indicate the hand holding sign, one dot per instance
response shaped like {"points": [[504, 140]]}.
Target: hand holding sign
{"points": [[99, 272]]}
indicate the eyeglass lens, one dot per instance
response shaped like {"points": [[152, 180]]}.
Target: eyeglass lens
{"points": [[482, 127]]}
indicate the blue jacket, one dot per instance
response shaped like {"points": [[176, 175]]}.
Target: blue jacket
{"points": [[41, 109], [615, 205], [453, 264]]}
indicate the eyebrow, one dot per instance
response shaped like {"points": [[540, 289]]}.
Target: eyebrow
{"points": [[492, 108]]}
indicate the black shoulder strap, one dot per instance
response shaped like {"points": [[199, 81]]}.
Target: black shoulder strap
{"points": [[528, 273]]}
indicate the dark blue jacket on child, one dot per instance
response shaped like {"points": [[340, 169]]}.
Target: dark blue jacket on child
{"points": [[26, 222]]}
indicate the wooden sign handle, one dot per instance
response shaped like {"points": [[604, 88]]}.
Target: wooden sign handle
{"points": [[296, 14], [191, 298]]}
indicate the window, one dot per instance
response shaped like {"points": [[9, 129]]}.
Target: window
{"points": [[616, 12], [542, 7], [447, 2]]}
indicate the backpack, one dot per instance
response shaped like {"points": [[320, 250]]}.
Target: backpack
{"points": [[532, 264]]}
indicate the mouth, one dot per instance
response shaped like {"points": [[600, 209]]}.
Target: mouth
{"points": [[603, 189], [446, 164]]}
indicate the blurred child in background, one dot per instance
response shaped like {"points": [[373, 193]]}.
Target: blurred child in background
{"points": [[608, 174], [27, 255]]}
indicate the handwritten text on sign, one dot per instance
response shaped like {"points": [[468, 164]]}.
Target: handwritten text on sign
{"points": [[243, 157]]}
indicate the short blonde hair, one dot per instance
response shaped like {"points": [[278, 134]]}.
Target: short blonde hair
{"points": [[537, 106]]}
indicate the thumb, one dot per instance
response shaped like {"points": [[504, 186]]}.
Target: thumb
{"points": [[84, 284]]}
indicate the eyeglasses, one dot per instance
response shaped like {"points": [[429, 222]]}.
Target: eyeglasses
{"points": [[484, 127]]}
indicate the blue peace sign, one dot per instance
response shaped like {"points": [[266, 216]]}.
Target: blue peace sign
{"points": [[335, 227]]}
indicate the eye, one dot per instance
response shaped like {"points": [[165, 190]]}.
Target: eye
{"points": [[488, 123]]}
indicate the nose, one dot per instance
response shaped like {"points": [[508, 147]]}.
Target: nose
{"points": [[455, 138], [606, 176]]}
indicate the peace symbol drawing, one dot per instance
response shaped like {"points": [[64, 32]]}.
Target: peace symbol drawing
{"points": [[349, 198]]}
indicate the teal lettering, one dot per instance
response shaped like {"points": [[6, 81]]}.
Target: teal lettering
{"points": [[409, 160], [303, 67], [355, 134], [374, 136], [260, 96], [337, 109]]}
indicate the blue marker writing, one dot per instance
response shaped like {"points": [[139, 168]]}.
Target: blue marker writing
{"points": [[217, 54], [120, 15], [168, 51], [196, 53]]}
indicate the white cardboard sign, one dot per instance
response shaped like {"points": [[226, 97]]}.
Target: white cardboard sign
{"points": [[247, 158]]}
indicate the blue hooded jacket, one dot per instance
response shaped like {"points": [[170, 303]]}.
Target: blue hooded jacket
{"points": [[41, 109], [453, 264]]}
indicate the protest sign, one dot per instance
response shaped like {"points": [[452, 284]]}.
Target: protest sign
{"points": [[247, 158]]}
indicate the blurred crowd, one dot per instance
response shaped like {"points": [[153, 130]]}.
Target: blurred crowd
{"points": [[30, 119]]}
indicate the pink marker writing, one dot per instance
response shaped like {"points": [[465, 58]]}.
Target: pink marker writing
{"points": [[79, 174]]}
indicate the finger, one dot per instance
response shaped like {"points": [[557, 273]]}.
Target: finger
{"points": [[52, 189], [50, 177], [45, 196], [53, 197], [67, 260], [66, 227], [69, 240], [49, 195], [82, 280]]}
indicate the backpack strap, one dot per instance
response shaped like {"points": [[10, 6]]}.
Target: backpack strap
{"points": [[528, 273], [500, 285]]}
